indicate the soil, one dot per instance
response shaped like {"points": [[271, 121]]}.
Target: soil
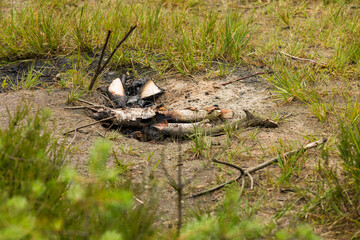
{"points": [[250, 146]]}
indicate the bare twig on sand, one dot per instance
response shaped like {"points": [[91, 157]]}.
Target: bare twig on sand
{"points": [[242, 78], [82, 107], [90, 103], [90, 124], [132, 28], [76, 107], [261, 166], [302, 59], [242, 172]]}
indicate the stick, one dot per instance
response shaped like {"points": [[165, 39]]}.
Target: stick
{"points": [[242, 172], [111, 55], [238, 79], [302, 59], [83, 107], [90, 103], [76, 107], [183, 130], [261, 166], [90, 124], [179, 191], [97, 72], [275, 159], [251, 180], [84, 101], [116, 48], [231, 165]]}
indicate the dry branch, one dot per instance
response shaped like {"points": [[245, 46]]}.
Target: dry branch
{"points": [[132, 28], [163, 121], [242, 78], [261, 166], [185, 129], [180, 129], [302, 59], [187, 115], [100, 69], [90, 103], [127, 116], [97, 72], [90, 124], [137, 116]]}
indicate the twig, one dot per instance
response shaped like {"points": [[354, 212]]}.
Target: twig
{"points": [[283, 117], [177, 186], [71, 141], [179, 189], [138, 200], [231, 165], [109, 100], [83, 107], [90, 103], [76, 107], [251, 180], [302, 59], [261, 166], [242, 78], [242, 172], [90, 124], [242, 185], [93, 107], [84, 101], [132, 28], [253, 7], [97, 72]]}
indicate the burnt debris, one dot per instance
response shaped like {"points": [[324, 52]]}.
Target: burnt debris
{"points": [[129, 93]]}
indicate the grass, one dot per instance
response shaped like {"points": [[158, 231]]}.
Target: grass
{"points": [[161, 32], [42, 197], [191, 38]]}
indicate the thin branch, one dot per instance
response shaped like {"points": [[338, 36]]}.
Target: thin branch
{"points": [[97, 72], [242, 185], [132, 28], [242, 78], [261, 166], [242, 172], [302, 59], [76, 107], [251, 180], [283, 117], [85, 101], [231, 165], [90, 103], [180, 186], [90, 124], [138, 200]]}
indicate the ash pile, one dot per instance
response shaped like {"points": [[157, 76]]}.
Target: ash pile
{"points": [[132, 93], [131, 108]]}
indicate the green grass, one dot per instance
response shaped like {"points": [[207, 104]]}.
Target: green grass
{"points": [[163, 38], [42, 197]]}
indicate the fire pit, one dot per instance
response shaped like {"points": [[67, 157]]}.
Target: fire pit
{"points": [[131, 108]]}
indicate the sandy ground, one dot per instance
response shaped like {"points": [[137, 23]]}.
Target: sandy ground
{"points": [[251, 146]]}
